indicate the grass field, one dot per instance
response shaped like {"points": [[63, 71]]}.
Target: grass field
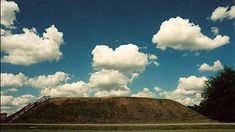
{"points": [[177, 127], [186, 130]]}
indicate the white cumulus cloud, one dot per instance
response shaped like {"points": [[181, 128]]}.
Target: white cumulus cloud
{"points": [[110, 82], [113, 93], [13, 81], [44, 81], [215, 30], [124, 58], [116, 68], [29, 48], [189, 36], [23, 100], [10, 104], [55, 85], [8, 13], [75, 89], [217, 65], [152, 57], [5, 100], [221, 13], [188, 91], [145, 93]]}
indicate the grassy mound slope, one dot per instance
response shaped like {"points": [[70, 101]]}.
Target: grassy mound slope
{"points": [[110, 110]]}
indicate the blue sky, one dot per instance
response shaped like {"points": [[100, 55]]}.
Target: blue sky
{"points": [[86, 24]]}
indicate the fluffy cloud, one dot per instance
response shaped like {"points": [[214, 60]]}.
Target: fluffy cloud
{"points": [[13, 81], [215, 30], [113, 93], [23, 100], [188, 91], [54, 85], [8, 13], [190, 85], [5, 32], [133, 76], [43, 81], [152, 57], [124, 58], [75, 89], [189, 36], [110, 83], [5, 100], [29, 48], [217, 65], [221, 13], [158, 89], [9, 80], [107, 79], [145, 93], [116, 68], [10, 104]]}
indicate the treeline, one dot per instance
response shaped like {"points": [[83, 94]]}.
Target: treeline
{"points": [[219, 97]]}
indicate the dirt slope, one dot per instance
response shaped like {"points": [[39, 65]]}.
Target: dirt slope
{"points": [[110, 110]]}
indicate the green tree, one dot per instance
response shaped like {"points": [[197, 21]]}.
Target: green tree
{"points": [[219, 96]]}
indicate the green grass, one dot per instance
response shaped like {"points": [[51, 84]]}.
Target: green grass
{"points": [[64, 130]]}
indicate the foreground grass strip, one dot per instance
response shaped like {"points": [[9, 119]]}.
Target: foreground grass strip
{"points": [[175, 126]]}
